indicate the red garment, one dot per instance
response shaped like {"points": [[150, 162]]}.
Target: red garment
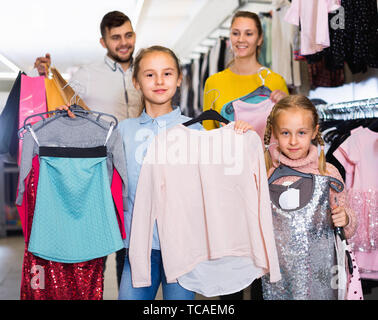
{"points": [[48, 280]]}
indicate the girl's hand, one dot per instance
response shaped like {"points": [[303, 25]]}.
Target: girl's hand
{"points": [[277, 95], [66, 108], [241, 126], [339, 217]]}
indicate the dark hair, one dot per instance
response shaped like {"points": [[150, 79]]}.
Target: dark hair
{"points": [[253, 16], [111, 20]]}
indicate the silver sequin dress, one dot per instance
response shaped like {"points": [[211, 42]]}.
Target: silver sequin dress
{"points": [[305, 244]]}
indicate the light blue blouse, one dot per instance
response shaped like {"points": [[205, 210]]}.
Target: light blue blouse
{"points": [[137, 134]]}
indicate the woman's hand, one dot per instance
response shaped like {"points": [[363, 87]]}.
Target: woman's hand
{"points": [[66, 108], [339, 217], [277, 95]]}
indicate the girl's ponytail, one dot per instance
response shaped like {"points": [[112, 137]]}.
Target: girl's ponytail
{"points": [[322, 159], [267, 136]]}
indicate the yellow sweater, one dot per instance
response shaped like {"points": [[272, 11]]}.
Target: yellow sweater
{"points": [[232, 86]]}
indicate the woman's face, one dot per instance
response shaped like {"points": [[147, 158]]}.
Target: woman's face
{"points": [[245, 37]]}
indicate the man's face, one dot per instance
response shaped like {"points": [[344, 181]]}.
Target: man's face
{"points": [[120, 42]]}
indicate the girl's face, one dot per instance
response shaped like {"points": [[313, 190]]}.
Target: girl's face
{"points": [[294, 131], [158, 78], [244, 37]]}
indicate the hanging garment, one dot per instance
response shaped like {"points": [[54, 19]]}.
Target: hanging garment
{"points": [[358, 155], [228, 110], [85, 222], [356, 43], [305, 242], [199, 237], [312, 15], [48, 280], [32, 101], [283, 34], [255, 114], [9, 121]]}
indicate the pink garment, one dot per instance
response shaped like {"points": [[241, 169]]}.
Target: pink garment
{"points": [[358, 154], [310, 165], [354, 287], [254, 114], [32, 101], [116, 189], [208, 192], [312, 16]]}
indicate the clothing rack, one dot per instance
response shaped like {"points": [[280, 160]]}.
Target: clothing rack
{"points": [[351, 110], [242, 3]]}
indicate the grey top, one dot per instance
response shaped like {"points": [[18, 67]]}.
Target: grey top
{"points": [[73, 132]]}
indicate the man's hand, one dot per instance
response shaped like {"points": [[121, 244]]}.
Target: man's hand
{"points": [[42, 64]]}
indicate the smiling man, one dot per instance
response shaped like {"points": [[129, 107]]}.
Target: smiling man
{"points": [[106, 85]]}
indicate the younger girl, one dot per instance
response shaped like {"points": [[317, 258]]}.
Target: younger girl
{"points": [[157, 75], [305, 217]]}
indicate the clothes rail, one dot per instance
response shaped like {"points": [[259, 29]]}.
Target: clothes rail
{"points": [[359, 109]]}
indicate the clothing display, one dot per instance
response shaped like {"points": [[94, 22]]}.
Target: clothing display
{"points": [[313, 194], [197, 233], [283, 35], [83, 167], [358, 155], [313, 17], [49, 280], [305, 243]]}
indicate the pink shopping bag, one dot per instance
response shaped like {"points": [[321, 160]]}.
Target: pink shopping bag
{"points": [[32, 101]]}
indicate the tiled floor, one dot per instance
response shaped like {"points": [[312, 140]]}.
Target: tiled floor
{"points": [[11, 254]]}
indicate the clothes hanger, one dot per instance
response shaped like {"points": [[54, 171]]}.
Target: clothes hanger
{"points": [[210, 114], [260, 91], [76, 110], [284, 171]]}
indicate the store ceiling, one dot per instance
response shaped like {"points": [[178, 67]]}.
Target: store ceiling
{"points": [[69, 30]]}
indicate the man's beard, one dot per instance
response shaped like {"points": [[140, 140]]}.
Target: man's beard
{"points": [[116, 58]]}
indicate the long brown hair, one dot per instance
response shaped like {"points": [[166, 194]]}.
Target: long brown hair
{"points": [[253, 16], [293, 101]]}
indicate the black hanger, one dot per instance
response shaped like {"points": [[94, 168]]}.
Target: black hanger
{"points": [[77, 110], [207, 115], [284, 171]]}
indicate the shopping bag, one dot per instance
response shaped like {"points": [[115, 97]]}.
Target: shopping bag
{"points": [[55, 97], [69, 92], [9, 121], [32, 101]]}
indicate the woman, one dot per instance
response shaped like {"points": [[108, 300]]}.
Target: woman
{"points": [[242, 75]]}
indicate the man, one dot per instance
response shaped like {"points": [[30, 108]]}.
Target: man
{"points": [[106, 86]]}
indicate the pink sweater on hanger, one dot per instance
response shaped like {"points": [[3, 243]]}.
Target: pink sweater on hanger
{"points": [[310, 165], [208, 191]]}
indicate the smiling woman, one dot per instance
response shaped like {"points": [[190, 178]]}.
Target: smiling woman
{"points": [[242, 74]]}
